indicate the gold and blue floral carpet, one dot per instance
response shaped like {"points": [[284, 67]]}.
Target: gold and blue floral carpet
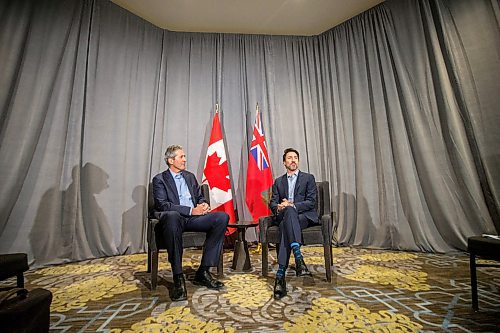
{"points": [[371, 291]]}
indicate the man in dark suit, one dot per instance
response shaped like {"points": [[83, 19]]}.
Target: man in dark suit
{"points": [[293, 204], [180, 206]]}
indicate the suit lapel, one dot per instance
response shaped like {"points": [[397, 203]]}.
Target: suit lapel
{"points": [[170, 182], [284, 184], [297, 185]]}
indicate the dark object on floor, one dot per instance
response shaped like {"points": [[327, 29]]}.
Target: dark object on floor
{"points": [[156, 243], [179, 292], [23, 311], [206, 279], [486, 248], [14, 264], [301, 268], [318, 234]]}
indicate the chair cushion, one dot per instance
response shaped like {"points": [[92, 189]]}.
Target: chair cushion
{"points": [[273, 234], [484, 247], [13, 264], [311, 235]]}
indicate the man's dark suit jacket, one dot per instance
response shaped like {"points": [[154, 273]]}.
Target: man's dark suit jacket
{"points": [[304, 195], [166, 196]]}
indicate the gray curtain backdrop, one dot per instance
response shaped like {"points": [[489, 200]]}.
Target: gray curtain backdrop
{"points": [[398, 108]]}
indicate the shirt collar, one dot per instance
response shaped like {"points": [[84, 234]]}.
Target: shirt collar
{"points": [[296, 173], [174, 173]]}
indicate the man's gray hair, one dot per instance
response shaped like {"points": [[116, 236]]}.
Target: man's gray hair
{"points": [[171, 152]]}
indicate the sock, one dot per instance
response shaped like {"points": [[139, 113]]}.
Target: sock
{"points": [[281, 271], [296, 251]]}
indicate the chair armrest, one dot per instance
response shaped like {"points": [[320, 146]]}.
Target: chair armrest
{"points": [[334, 229], [264, 223], [151, 235], [326, 228]]}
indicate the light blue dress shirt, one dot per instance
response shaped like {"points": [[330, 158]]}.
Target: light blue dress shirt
{"points": [[292, 179], [182, 190]]}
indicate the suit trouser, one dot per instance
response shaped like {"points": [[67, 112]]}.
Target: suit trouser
{"points": [[214, 224], [290, 225]]}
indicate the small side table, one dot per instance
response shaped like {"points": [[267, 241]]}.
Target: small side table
{"points": [[241, 257], [487, 248]]}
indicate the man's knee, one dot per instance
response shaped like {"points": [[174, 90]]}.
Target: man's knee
{"points": [[221, 218], [171, 220], [219, 221], [289, 211], [170, 215], [289, 215]]}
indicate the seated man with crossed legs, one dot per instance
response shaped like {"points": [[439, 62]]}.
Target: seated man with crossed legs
{"points": [[293, 203]]}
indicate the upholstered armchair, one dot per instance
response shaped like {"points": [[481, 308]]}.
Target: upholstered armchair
{"points": [[156, 243], [321, 234]]}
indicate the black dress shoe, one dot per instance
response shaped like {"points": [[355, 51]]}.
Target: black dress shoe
{"points": [[206, 279], [279, 288], [179, 292], [301, 268]]}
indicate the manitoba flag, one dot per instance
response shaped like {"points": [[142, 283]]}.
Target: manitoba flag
{"points": [[216, 174], [259, 176]]}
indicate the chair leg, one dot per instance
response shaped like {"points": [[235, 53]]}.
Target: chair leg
{"points": [[220, 267], [327, 249], [265, 255], [20, 280], [154, 269], [473, 282], [331, 249], [149, 261]]}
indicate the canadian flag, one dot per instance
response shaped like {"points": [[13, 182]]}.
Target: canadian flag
{"points": [[216, 174]]}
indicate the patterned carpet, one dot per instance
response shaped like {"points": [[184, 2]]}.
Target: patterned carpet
{"points": [[371, 291]]}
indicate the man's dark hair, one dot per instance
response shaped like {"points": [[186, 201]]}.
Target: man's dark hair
{"points": [[290, 150]]}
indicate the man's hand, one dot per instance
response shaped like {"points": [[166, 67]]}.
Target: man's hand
{"points": [[201, 209], [283, 204]]}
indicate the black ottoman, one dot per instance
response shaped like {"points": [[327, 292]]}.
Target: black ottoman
{"points": [[486, 248], [14, 264], [26, 311]]}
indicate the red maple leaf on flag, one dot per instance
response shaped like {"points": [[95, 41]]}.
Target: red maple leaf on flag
{"points": [[216, 178], [216, 174]]}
